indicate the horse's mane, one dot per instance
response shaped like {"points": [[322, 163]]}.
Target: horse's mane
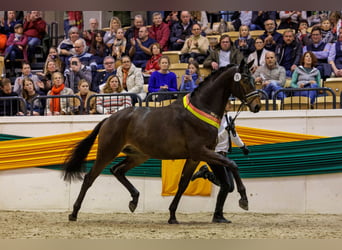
{"points": [[212, 76]]}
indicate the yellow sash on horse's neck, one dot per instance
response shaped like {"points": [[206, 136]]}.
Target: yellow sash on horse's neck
{"points": [[210, 119]]}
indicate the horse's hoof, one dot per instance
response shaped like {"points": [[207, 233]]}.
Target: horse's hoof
{"points": [[173, 221], [243, 204], [220, 219], [72, 218], [132, 206]]}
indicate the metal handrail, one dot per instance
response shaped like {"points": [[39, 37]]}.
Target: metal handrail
{"points": [[10, 98]]}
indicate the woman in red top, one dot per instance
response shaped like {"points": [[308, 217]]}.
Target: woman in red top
{"points": [[153, 63]]}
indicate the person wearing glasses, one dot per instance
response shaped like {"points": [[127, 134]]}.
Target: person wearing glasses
{"points": [[101, 76], [258, 55], [195, 47], [225, 53]]}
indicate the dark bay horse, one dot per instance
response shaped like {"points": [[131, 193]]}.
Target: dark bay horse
{"points": [[186, 129]]}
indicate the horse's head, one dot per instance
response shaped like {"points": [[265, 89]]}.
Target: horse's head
{"points": [[244, 87]]}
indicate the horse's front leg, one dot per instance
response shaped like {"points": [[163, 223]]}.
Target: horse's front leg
{"points": [[214, 158], [188, 170]]}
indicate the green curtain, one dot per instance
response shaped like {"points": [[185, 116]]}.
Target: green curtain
{"points": [[308, 157]]}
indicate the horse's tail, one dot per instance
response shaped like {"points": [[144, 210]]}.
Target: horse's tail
{"points": [[74, 163]]}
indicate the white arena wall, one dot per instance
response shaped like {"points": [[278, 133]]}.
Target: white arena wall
{"points": [[36, 189]]}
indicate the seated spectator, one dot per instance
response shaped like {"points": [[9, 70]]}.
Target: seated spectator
{"points": [[84, 92], [102, 75], [290, 19], [271, 36], [303, 35], [86, 58], [66, 47], [75, 73], [131, 77], [159, 31], [192, 77], [72, 19], [170, 18], [133, 31], [163, 80], [306, 76], [139, 51], [201, 18], [153, 63], [258, 55], [195, 47], [259, 18], [111, 104], [16, 47], [8, 107], [29, 92], [272, 76], [180, 31], [53, 56], [35, 30], [336, 22], [289, 52], [109, 36], [26, 72], [335, 57], [98, 48], [118, 47], [327, 35], [224, 54], [245, 43], [58, 106], [7, 27], [321, 51], [46, 76], [89, 34]]}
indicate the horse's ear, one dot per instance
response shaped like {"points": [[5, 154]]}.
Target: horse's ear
{"points": [[242, 65], [250, 64]]}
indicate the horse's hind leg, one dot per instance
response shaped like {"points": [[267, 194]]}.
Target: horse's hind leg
{"points": [[188, 170], [243, 202], [119, 171]]}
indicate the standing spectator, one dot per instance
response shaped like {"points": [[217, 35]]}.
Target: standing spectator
{"points": [[35, 29], [133, 31], [114, 26], [159, 31], [131, 77], [321, 51], [8, 107], [245, 43], [26, 72], [98, 48], [306, 76], [75, 73], [224, 54], [290, 19], [140, 49], [84, 92], [29, 92], [192, 77], [72, 19], [153, 63], [259, 18], [58, 106], [89, 34], [289, 52], [180, 31], [102, 75], [163, 80], [195, 47], [111, 104], [335, 56], [303, 35], [16, 47], [271, 36], [66, 48], [258, 55], [271, 76]]}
